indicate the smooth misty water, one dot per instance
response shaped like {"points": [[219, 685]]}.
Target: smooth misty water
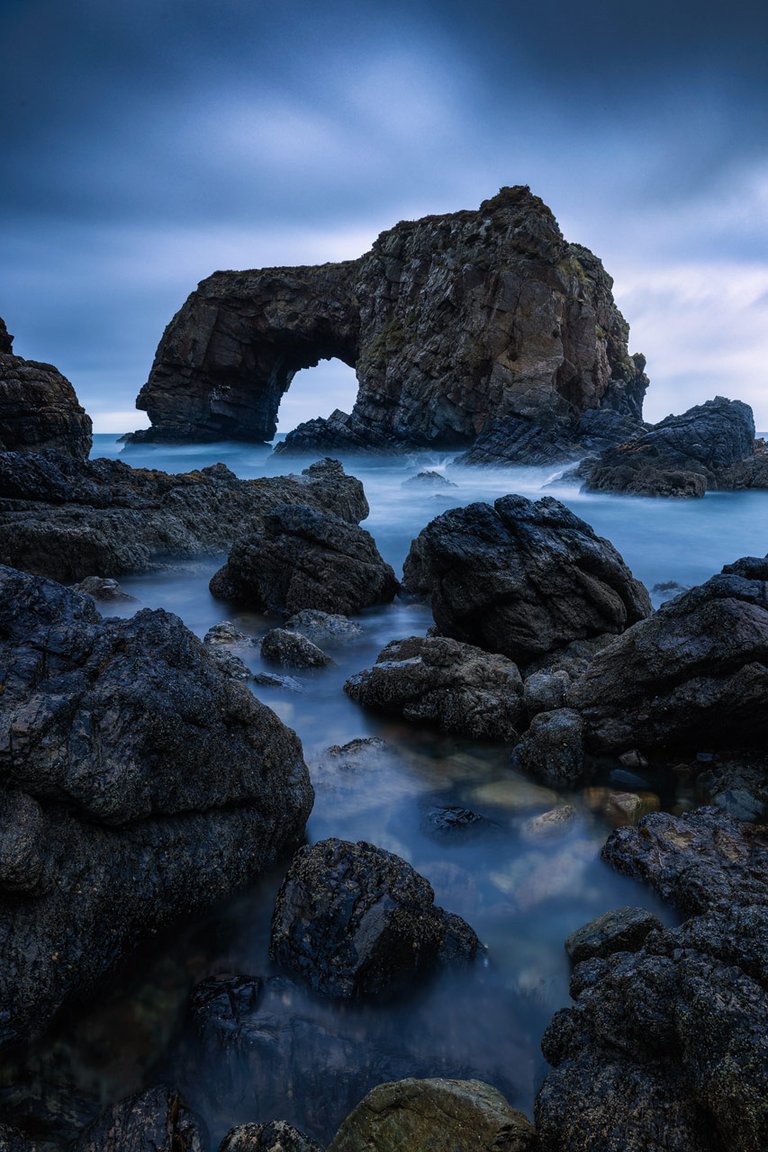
{"points": [[522, 895]]}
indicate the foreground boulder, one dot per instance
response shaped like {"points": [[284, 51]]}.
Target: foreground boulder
{"points": [[440, 681], [126, 757], [434, 1116], [354, 920], [449, 322], [522, 578], [301, 559], [38, 406], [667, 1043], [70, 519], [692, 676], [276, 1136], [156, 1119], [681, 456]]}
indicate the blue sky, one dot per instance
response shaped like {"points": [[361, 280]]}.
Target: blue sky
{"points": [[148, 144]]}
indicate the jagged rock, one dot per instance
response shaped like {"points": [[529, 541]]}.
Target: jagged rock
{"points": [[515, 440], [156, 1119], [665, 1044], [620, 930], [128, 759], [277, 1136], [694, 675], [752, 472], [282, 646], [38, 406], [522, 578], [450, 321], [552, 750], [323, 627], [71, 519], [428, 479], [545, 691], [434, 1116], [354, 920], [306, 559], [225, 633], [682, 456], [440, 681]]}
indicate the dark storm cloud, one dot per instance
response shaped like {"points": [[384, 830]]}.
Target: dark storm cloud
{"points": [[146, 144]]}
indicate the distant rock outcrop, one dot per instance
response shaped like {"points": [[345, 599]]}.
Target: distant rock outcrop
{"points": [[38, 406], [449, 321]]}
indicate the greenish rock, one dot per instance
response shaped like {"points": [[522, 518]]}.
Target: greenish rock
{"points": [[434, 1116], [620, 930]]}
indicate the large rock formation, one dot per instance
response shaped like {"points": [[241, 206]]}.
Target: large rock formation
{"points": [[522, 578], [138, 783], [449, 321], [38, 406], [73, 519]]}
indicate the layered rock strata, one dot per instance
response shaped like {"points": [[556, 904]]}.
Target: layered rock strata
{"points": [[449, 321], [38, 406], [138, 783], [72, 519]]}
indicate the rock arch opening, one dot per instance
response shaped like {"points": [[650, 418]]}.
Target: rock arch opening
{"points": [[317, 392]]}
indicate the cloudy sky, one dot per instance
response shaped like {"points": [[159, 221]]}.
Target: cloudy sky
{"points": [[148, 143]]}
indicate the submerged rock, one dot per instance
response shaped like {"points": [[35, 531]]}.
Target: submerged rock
{"points": [[428, 479], [449, 321], [306, 559], [439, 681], [354, 920], [692, 676], [434, 1116], [71, 519], [522, 578], [38, 406], [127, 758]]}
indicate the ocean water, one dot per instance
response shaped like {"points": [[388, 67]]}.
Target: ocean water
{"points": [[522, 895]]}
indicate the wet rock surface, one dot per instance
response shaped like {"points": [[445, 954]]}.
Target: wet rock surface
{"points": [[282, 646], [552, 749], [353, 920], [681, 456], [522, 578], [277, 1136], [433, 679], [157, 1120], [305, 559], [450, 321], [665, 1041], [434, 1116], [71, 519], [38, 406], [694, 675], [323, 627], [138, 785], [620, 930]]}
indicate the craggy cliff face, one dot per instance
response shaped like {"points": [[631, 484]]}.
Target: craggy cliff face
{"points": [[449, 321]]}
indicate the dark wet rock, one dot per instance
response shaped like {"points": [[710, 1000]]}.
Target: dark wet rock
{"points": [[270, 680], [620, 930], [428, 479], [441, 681], [434, 1116], [220, 642], [545, 691], [226, 633], [102, 588], [681, 456], [306, 559], [692, 676], [277, 1136], [450, 321], [323, 627], [152, 775], [739, 788], [71, 519], [13, 1139], [451, 820], [228, 663], [281, 646], [38, 406], [751, 472], [21, 848], [552, 750], [600, 428], [522, 578], [354, 920], [554, 823], [156, 1120], [516, 440]]}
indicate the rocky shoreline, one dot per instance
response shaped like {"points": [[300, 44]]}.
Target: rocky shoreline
{"points": [[142, 780]]}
